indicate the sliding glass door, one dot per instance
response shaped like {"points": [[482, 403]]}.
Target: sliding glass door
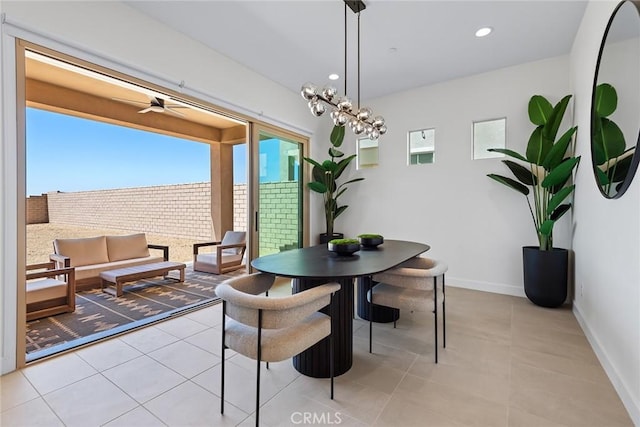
{"points": [[278, 202]]}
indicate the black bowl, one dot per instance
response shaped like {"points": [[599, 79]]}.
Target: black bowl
{"points": [[371, 242], [343, 249]]}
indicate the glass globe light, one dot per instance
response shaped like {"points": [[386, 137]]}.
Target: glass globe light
{"points": [[375, 134], [318, 109], [343, 118], [358, 128], [368, 128], [364, 114], [308, 91], [344, 103], [382, 129], [329, 92], [378, 121]]}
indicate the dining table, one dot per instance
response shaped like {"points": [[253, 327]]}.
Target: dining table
{"points": [[316, 265]]}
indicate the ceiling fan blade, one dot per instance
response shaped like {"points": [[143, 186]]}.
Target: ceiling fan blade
{"points": [[130, 101], [172, 111], [175, 106], [146, 110]]}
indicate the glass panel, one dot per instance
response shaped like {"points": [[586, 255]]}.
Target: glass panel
{"points": [[489, 134], [367, 152], [422, 146], [279, 194]]}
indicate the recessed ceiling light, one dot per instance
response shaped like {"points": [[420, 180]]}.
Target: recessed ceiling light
{"points": [[333, 76], [484, 31]]}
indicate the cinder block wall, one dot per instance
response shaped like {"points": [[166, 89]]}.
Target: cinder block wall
{"points": [[37, 210], [279, 216], [181, 210]]}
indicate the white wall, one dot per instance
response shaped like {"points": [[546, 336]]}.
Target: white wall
{"points": [[477, 225], [116, 36], [607, 237]]}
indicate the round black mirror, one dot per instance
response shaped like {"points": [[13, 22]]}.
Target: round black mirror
{"points": [[615, 105]]}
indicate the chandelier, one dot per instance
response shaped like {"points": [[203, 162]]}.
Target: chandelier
{"points": [[342, 111]]}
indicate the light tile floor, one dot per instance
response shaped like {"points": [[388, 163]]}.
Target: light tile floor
{"points": [[507, 363]]}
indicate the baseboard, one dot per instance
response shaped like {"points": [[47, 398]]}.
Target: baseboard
{"points": [[496, 288], [632, 407]]}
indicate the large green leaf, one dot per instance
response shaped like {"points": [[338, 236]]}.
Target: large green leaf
{"points": [[523, 174], [538, 146], [337, 136], [508, 152], [559, 198], [539, 110], [511, 183], [547, 227], [606, 100], [335, 152], [340, 210], [561, 172], [313, 162], [622, 169], [342, 164], [318, 187], [330, 166], [558, 150], [562, 209], [609, 141], [551, 127], [603, 178]]}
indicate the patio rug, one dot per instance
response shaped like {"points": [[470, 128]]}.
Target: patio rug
{"points": [[97, 311]]}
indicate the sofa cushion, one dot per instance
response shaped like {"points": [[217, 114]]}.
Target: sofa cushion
{"points": [[84, 251], [45, 289], [127, 247]]}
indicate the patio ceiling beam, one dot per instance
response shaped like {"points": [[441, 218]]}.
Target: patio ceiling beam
{"points": [[67, 101]]}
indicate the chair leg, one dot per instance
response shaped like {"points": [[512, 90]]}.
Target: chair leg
{"points": [[331, 344], [370, 316], [258, 358], [435, 314], [224, 312], [444, 317]]}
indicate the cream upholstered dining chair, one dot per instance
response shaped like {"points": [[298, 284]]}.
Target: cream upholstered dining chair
{"points": [[272, 329], [227, 255], [408, 287]]}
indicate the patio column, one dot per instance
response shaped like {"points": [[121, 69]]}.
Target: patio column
{"points": [[221, 189]]}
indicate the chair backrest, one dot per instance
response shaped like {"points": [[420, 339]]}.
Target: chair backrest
{"points": [[233, 238], [413, 273], [243, 302]]}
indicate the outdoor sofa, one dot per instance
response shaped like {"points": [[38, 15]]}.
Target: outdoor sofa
{"points": [[92, 255]]}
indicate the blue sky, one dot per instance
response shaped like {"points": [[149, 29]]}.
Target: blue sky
{"points": [[66, 153]]}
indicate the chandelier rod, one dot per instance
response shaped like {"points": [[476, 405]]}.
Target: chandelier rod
{"points": [[345, 49], [358, 60]]}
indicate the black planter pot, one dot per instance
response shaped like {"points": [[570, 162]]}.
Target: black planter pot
{"points": [[325, 239], [545, 275]]}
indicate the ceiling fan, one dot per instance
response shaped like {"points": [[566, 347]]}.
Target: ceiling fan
{"points": [[155, 104]]}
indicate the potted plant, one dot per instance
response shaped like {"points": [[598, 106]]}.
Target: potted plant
{"points": [[370, 240], [344, 246], [546, 171], [325, 176]]}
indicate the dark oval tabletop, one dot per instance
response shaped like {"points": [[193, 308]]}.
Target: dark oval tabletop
{"points": [[318, 262]]}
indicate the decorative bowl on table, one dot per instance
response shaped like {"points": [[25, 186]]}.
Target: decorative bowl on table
{"points": [[370, 240], [344, 246]]}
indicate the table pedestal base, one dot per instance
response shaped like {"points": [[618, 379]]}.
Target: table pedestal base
{"points": [[314, 362]]}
